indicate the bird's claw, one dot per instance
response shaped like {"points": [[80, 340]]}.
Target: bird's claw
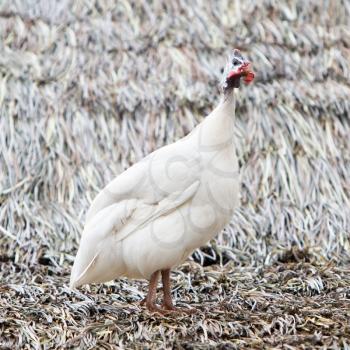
{"points": [[166, 309], [181, 310]]}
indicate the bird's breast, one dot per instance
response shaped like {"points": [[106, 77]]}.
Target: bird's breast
{"points": [[212, 207]]}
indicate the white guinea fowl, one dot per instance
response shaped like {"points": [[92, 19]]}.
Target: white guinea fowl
{"points": [[150, 218]]}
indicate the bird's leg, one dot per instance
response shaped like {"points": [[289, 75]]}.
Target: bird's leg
{"points": [[152, 292], [168, 302]]}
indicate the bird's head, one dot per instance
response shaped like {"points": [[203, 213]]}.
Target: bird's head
{"points": [[236, 68]]}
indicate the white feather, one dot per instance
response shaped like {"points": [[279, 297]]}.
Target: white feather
{"points": [[156, 212]]}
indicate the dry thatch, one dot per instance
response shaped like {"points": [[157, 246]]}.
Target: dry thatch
{"points": [[89, 87]]}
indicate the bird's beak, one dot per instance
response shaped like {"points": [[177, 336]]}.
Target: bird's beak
{"points": [[248, 74]]}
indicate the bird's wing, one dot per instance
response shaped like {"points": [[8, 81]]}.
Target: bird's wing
{"points": [[97, 232], [169, 170], [156, 186], [97, 257]]}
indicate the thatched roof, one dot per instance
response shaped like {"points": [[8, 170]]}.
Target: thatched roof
{"points": [[89, 87]]}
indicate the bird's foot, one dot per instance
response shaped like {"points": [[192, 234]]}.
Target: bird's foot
{"points": [[152, 307], [179, 310], [166, 309]]}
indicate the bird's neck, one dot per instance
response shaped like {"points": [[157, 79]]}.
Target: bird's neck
{"points": [[218, 127], [228, 98], [228, 104]]}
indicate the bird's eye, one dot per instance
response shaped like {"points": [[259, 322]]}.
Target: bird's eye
{"points": [[236, 62]]}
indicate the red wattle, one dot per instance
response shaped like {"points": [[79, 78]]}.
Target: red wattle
{"points": [[249, 77]]}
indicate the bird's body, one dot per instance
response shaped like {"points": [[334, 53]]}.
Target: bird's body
{"points": [[152, 216], [158, 211]]}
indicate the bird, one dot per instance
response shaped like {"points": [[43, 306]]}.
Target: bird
{"points": [[152, 216]]}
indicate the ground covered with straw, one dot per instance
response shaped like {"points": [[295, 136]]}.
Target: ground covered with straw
{"points": [[89, 87]]}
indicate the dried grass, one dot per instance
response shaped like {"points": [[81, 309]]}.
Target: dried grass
{"points": [[87, 88]]}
